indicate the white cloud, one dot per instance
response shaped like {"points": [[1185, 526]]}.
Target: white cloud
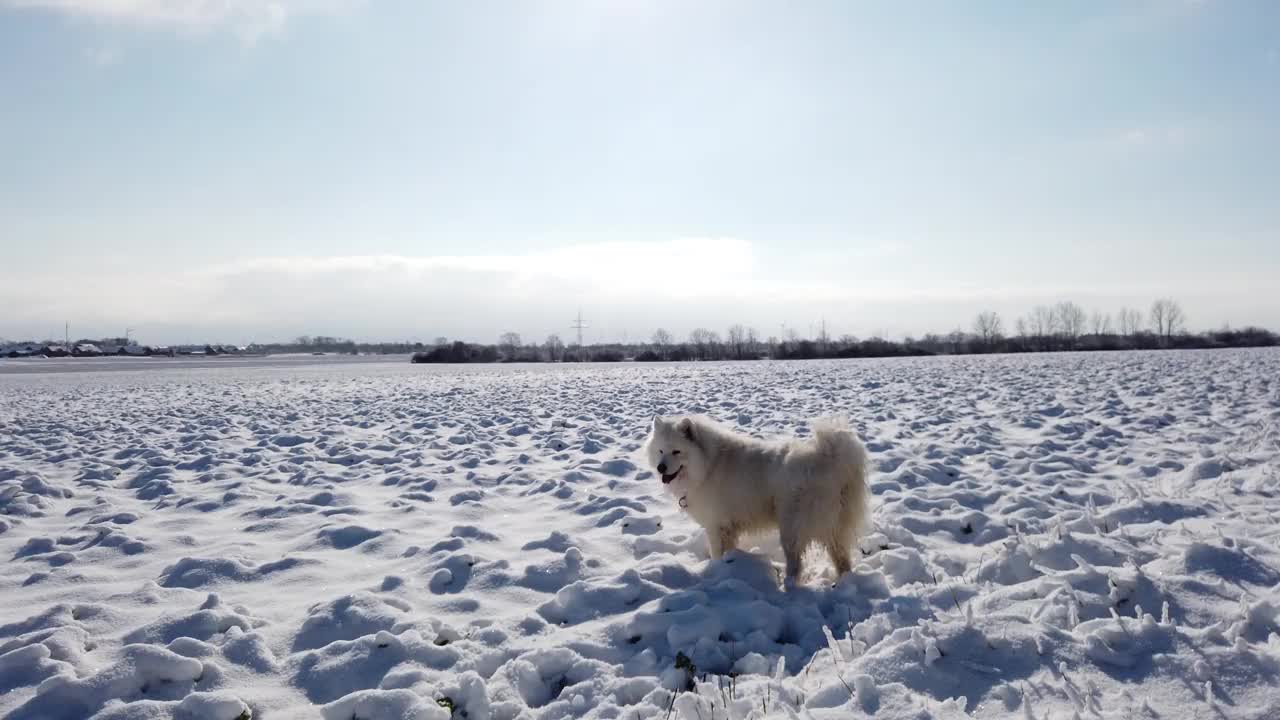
{"points": [[373, 296], [102, 56], [692, 267], [249, 18], [630, 287], [1150, 136]]}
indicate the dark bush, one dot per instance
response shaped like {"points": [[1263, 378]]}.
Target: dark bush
{"points": [[458, 352]]}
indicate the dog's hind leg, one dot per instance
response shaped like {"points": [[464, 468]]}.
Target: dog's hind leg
{"points": [[838, 549], [849, 520]]}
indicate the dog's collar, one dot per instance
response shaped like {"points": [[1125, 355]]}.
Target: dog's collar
{"points": [[684, 502]]}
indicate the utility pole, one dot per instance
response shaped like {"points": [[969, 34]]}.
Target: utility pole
{"points": [[66, 334], [127, 331]]}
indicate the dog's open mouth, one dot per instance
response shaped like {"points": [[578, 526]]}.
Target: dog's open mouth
{"points": [[667, 478]]}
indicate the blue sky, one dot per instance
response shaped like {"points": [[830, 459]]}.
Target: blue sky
{"points": [[233, 170]]}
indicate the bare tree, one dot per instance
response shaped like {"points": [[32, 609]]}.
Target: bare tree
{"points": [[510, 343], [737, 341], [1101, 324], [714, 345], [1130, 322], [988, 328], [440, 341], [933, 342], [700, 339], [1070, 322], [955, 340], [1042, 324], [753, 344], [661, 341], [1167, 319], [555, 348]]}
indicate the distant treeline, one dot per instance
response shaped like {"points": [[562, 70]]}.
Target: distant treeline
{"points": [[1062, 327], [340, 346], [844, 347]]}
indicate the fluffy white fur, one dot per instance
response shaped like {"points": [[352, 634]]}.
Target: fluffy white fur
{"points": [[812, 490]]}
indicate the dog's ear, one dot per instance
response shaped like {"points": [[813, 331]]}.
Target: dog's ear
{"points": [[686, 428], [657, 420]]}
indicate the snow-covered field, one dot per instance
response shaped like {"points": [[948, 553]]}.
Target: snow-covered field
{"points": [[1053, 535]]}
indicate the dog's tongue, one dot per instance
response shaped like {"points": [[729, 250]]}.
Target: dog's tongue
{"points": [[666, 479]]}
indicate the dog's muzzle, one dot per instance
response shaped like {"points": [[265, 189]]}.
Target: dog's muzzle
{"points": [[668, 477]]}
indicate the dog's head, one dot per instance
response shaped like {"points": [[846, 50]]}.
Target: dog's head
{"points": [[674, 453]]}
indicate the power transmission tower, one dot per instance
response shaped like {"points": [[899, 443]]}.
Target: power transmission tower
{"points": [[577, 326]]}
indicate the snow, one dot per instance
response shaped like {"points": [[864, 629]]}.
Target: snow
{"points": [[1075, 535]]}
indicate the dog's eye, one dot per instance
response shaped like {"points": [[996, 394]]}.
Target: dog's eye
{"points": [[675, 452]]}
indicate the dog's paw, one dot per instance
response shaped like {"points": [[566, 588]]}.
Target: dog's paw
{"points": [[789, 584]]}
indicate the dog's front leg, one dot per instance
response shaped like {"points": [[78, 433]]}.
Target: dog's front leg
{"points": [[722, 540], [793, 550]]}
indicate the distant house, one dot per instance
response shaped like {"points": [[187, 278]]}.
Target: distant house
{"points": [[128, 350], [86, 350], [222, 350], [54, 351]]}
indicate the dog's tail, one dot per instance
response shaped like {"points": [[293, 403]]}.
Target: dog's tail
{"points": [[836, 440], [833, 433]]}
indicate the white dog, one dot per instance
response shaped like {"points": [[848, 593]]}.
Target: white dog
{"points": [[812, 491]]}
